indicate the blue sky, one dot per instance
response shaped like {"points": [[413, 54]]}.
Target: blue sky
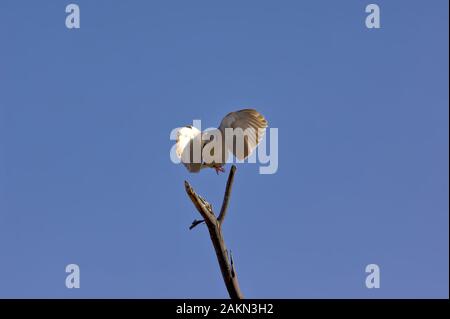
{"points": [[85, 174]]}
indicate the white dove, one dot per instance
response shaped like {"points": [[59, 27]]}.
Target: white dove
{"points": [[239, 132]]}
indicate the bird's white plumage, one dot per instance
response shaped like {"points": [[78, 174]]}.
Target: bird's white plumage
{"points": [[247, 124], [186, 137]]}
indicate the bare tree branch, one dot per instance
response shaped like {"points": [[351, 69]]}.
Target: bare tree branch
{"points": [[215, 232], [226, 196]]}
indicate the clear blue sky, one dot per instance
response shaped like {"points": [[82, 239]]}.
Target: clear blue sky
{"points": [[85, 174]]}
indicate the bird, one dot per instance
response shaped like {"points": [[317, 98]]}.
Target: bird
{"points": [[239, 132]]}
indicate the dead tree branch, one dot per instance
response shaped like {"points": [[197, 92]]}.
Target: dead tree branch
{"points": [[226, 196], [214, 225]]}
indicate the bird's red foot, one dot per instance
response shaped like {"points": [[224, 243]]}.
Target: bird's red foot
{"points": [[219, 169]]}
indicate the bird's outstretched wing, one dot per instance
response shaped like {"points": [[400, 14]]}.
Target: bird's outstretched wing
{"points": [[248, 127]]}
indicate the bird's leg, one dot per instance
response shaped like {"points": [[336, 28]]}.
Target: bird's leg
{"points": [[219, 169]]}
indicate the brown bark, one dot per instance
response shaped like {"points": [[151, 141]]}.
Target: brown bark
{"points": [[214, 225]]}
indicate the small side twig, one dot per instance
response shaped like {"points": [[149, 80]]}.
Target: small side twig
{"points": [[195, 223]]}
